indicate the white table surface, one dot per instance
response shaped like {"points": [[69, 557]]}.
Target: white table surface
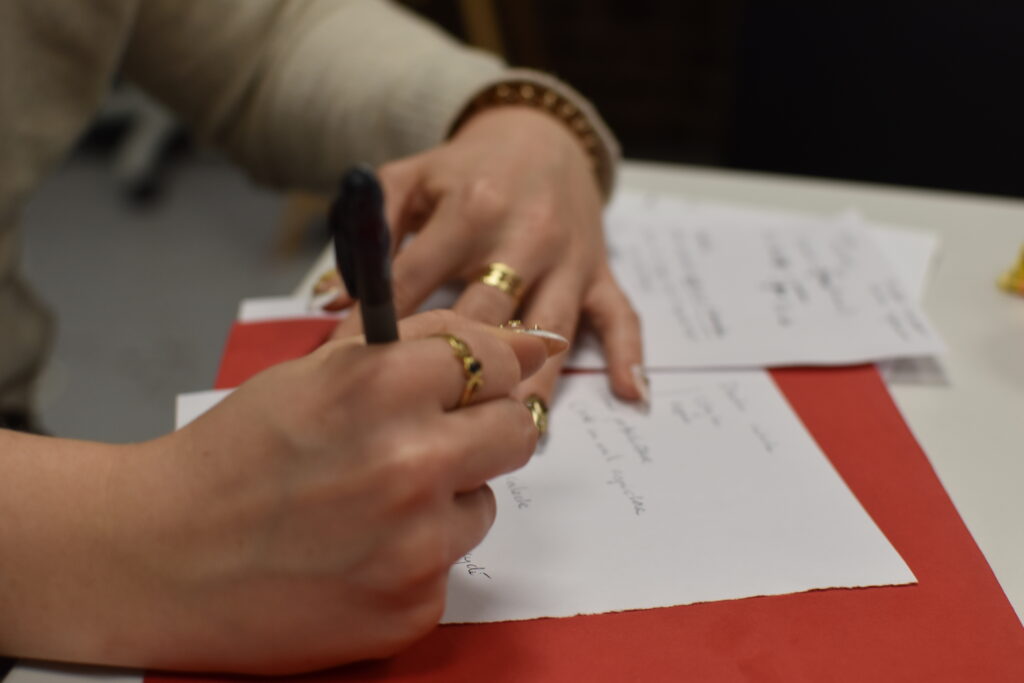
{"points": [[972, 428]]}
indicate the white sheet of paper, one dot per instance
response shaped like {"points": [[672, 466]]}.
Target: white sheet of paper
{"points": [[722, 286], [718, 493], [260, 309], [189, 406], [910, 253]]}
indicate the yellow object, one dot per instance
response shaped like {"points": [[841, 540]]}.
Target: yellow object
{"points": [[504, 278], [1013, 279], [472, 369], [539, 412]]}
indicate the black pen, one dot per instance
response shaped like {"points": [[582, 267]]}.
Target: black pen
{"points": [[362, 251]]}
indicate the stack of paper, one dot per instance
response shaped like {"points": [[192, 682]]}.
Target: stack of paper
{"points": [[720, 286]]}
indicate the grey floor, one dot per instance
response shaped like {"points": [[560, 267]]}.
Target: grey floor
{"points": [[144, 297]]}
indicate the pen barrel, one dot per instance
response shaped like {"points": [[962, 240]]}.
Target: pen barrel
{"points": [[379, 322]]}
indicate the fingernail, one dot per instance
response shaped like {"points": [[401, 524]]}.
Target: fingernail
{"points": [[555, 342], [328, 281], [330, 300], [642, 384]]}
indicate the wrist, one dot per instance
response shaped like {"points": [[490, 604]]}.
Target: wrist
{"points": [[75, 518], [54, 512], [557, 101]]}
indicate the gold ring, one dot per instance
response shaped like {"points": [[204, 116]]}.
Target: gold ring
{"points": [[504, 278], [538, 411], [472, 369]]}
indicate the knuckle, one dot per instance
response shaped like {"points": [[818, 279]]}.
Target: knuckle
{"points": [[541, 214], [538, 221], [438, 320], [388, 371], [402, 291], [563, 322], [484, 201], [415, 469], [446, 317], [341, 366]]}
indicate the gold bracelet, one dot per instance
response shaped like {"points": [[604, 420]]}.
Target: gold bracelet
{"points": [[526, 93]]}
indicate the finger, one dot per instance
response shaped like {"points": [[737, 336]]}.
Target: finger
{"points": [[349, 326], [489, 303], [469, 363], [495, 437], [428, 370], [431, 259], [554, 306], [329, 293], [406, 205], [542, 383], [468, 369], [618, 327], [530, 349], [486, 303], [472, 516]]}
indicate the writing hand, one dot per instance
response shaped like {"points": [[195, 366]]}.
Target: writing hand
{"points": [[308, 520]]}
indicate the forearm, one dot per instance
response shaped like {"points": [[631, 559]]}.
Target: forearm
{"points": [[62, 505], [298, 90]]}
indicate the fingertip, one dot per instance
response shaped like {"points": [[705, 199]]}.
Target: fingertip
{"points": [[531, 352], [632, 384], [622, 384], [553, 342], [350, 325], [332, 302]]}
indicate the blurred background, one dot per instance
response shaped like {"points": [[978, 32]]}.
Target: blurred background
{"points": [[144, 244]]}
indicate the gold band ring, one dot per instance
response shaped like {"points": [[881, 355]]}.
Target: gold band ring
{"points": [[472, 369], [503, 277], [538, 411]]}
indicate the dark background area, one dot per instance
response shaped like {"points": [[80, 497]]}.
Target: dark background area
{"points": [[910, 93]]}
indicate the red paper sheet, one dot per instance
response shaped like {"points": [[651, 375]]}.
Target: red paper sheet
{"points": [[954, 625]]}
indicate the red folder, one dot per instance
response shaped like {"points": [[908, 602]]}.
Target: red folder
{"points": [[954, 625]]}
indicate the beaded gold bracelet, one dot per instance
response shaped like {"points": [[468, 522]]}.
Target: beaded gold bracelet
{"points": [[526, 93]]}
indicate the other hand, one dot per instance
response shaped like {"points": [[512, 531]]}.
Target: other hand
{"points": [[512, 186]]}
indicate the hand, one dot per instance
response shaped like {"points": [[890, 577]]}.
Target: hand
{"points": [[308, 520], [512, 186]]}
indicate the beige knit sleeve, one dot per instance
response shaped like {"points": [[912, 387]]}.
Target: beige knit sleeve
{"points": [[297, 90]]}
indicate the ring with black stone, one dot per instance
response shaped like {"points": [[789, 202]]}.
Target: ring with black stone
{"points": [[472, 369]]}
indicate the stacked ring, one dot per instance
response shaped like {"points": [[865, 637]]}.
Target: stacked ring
{"points": [[503, 277], [538, 411], [472, 369]]}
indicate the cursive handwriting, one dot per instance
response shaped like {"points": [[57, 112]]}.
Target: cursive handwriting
{"points": [[519, 493], [471, 568], [636, 500]]}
